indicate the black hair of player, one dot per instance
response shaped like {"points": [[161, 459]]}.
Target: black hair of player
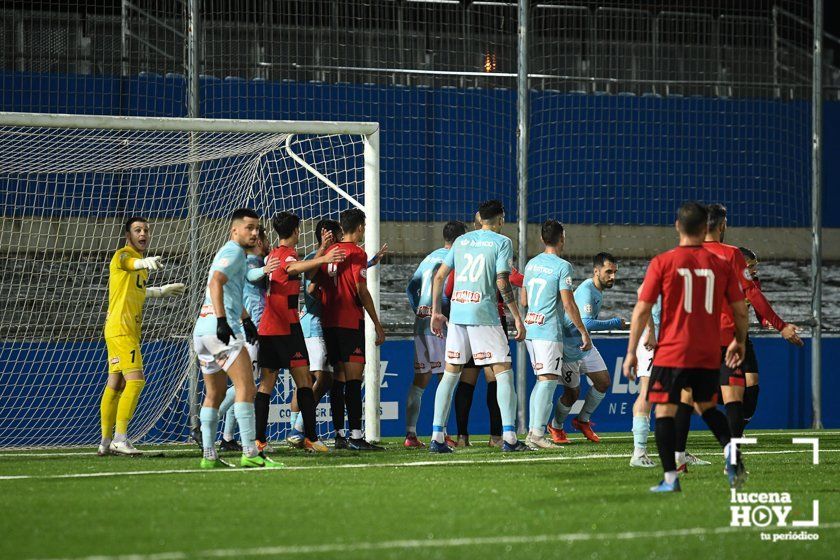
{"points": [[330, 225], [133, 220], [551, 232], [692, 218], [453, 230], [352, 219], [749, 255], [717, 214], [601, 259], [491, 209], [242, 213], [285, 224]]}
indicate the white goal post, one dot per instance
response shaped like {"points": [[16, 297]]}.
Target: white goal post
{"points": [[66, 184]]}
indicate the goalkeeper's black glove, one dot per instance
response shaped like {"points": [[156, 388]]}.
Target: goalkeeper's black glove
{"points": [[251, 334], [223, 330]]}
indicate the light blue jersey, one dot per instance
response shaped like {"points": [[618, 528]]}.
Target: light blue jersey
{"points": [[477, 257], [230, 261], [656, 313], [545, 276], [311, 320], [254, 290], [588, 299], [419, 290], [572, 341]]}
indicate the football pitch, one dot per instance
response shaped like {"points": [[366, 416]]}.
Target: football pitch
{"points": [[582, 501]]}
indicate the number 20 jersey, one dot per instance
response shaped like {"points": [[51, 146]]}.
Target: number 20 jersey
{"points": [[477, 257], [693, 283]]}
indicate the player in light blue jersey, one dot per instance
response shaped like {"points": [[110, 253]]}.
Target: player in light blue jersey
{"points": [[482, 261], [254, 302], [641, 408], [547, 294], [429, 350], [588, 297], [219, 337]]}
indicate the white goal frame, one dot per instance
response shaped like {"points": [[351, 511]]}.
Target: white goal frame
{"points": [[368, 130]]}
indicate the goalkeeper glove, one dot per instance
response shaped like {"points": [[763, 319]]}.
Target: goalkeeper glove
{"points": [[223, 330], [167, 290], [251, 334], [149, 263]]}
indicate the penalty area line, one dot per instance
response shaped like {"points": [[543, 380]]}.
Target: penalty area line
{"points": [[552, 458], [435, 543]]}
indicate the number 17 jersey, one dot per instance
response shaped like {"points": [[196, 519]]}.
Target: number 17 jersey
{"points": [[477, 257]]}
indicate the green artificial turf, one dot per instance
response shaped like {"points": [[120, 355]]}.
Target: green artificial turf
{"points": [[583, 501]]}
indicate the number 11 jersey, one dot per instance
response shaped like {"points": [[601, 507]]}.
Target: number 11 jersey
{"points": [[477, 257]]}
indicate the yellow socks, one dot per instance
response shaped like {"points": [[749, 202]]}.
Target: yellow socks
{"points": [[108, 412], [127, 404]]}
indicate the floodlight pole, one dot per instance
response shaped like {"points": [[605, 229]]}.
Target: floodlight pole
{"points": [[522, 196]]}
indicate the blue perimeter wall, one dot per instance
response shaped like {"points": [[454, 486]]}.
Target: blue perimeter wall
{"points": [[65, 381], [621, 160]]}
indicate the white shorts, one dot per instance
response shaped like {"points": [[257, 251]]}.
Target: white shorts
{"points": [[570, 374], [644, 356], [593, 362], [317, 350], [253, 352], [546, 356], [213, 355], [429, 351], [486, 344]]}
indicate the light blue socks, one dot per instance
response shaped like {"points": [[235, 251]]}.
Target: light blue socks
{"points": [[506, 396], [590, 403], [540, 406], [247, 427], [209, 418], [443, 402], [412, 408]]}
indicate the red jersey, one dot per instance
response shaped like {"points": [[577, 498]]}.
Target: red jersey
{"points": [[281, 300], [694, 284], [341, 306], [733, 256]]}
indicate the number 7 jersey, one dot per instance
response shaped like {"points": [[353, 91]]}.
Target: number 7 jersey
{"points": [[477, 257], [693, 283]]}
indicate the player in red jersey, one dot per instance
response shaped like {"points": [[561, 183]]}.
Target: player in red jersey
{"points": [[281, 338], [694, 284], [344, 300], [732, 380]]}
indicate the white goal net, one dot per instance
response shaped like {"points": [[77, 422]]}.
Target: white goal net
{"points": [[67, 184]]}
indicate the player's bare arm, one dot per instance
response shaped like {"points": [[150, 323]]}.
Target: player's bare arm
{"points": [[641, 316], [367, 303], [506, 290], [737, 348], [336, 255], [378, 256], [650, 340], [572, 311], [438, 319]]}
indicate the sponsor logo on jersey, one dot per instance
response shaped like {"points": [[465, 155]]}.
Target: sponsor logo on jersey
{"points": [[482, 355], [291, 258], [587, 308], [747, 274], [453, 354], [363, 273], [115, 360], [538, 269], [478, 243], [418, 366], [224, 261], [538, 366], [424, 311], [206, 310], [466, 296], [532, 318], [435, 365], [569, 281]]}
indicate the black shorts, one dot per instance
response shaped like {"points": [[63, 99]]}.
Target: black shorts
{"points": [[471, 364], [345, 345], [750, 363], [283, 351], [666, 384], [733, 377]]}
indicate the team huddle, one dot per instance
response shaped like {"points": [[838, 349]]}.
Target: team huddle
{"points": [[688, 337]]}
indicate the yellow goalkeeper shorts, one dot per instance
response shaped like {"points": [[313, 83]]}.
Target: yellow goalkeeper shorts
{"points": [[123, 354]]}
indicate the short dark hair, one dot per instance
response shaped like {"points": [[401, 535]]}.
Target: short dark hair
{"points": [[285, 224], [748, 254], [717, 214], [551, 232], [453, 230], [130, 221], [242, 213], [692, 218], [330, 225], [351, 220], [491, 209], [263, 234], [601, 258]]}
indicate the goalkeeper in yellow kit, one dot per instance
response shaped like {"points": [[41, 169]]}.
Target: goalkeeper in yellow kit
{"points": [[128, 273]]}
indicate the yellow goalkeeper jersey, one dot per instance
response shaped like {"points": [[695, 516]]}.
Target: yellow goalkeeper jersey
{"points": [[126, 294]]}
